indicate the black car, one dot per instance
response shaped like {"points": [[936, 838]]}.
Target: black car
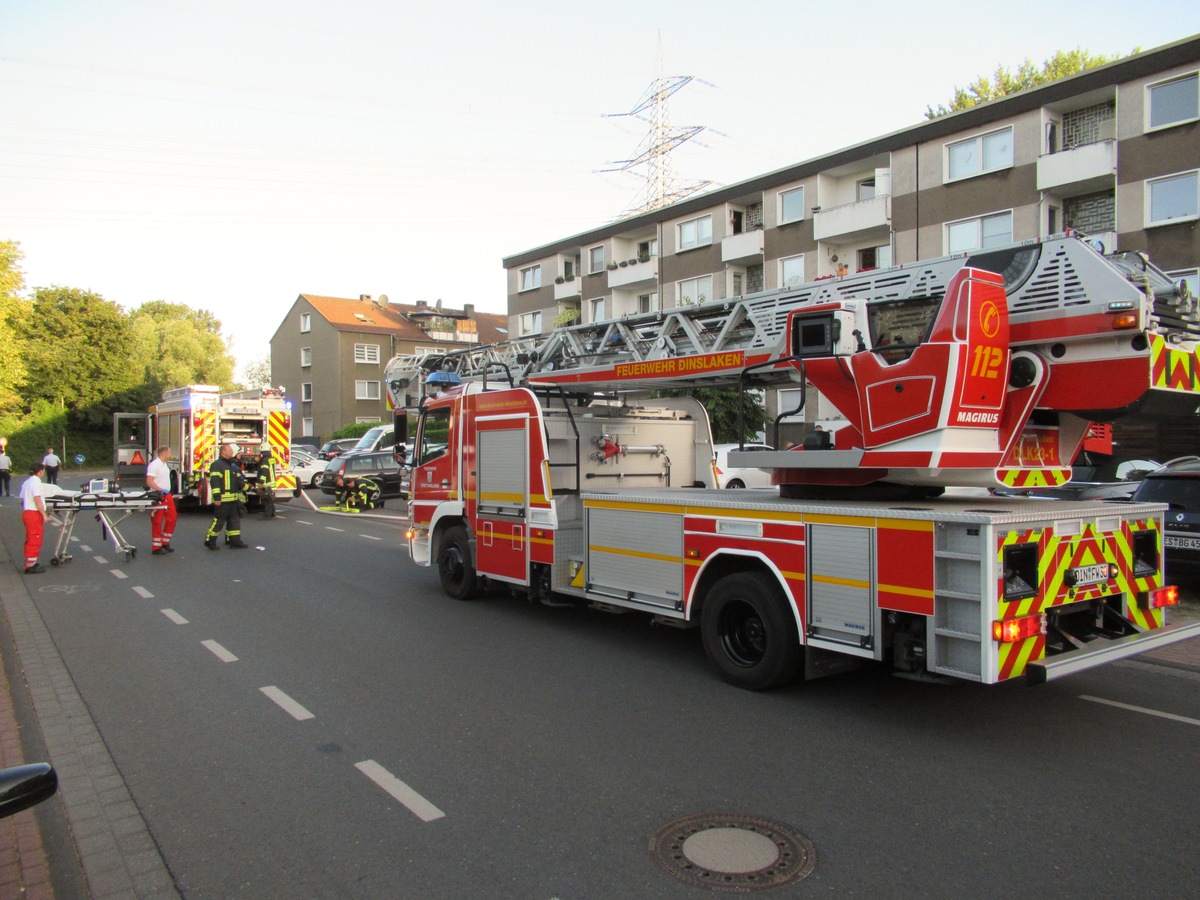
{"points": [[330, 449], [379, 466], [1177, 484]]}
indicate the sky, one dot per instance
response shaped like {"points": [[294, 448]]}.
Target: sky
{"points": [[231, 155]]}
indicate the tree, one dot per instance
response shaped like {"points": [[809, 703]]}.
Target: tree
{"points": [[79, 353], [14, 310], [178, 345], [1003, 82], [257, 372]]}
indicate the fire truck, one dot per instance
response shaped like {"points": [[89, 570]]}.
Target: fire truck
{"points": [[545, 465], [194, 421]]}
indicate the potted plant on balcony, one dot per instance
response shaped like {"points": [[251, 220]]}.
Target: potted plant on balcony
{"points": [[565, 317], [560, 280]]}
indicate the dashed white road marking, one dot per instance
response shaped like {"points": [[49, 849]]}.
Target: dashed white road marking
{"points": [[331, 528], [84, 547], [218, 651], [143, 593], [370, 537], [117, 573], [1141, 709], [174, 616], [416, 804], [303, 522], [290, 706], [101, 560]]}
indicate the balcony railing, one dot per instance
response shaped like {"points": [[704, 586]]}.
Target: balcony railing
{"points": [[851, 219], [633, 273], [1090, 167], [743, 248]]}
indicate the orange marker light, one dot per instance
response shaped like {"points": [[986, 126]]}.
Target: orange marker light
{"points": [[1009, 631]]}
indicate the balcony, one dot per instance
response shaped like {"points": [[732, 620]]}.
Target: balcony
{"points": [[568, 290], [853, 220], [634, 274], [1080, 170], [743, 248]]}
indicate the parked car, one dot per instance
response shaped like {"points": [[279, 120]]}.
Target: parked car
{"points": [[730, 477], [380, 466], [306, 448], [307, 468], [330, 449], [1177, 484]]}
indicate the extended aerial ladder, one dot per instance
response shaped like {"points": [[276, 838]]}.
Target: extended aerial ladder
{"points": [[980, 368]]}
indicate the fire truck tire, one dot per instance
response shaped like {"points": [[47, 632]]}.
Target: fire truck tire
{"points": [[455, 567], [748, 632]]}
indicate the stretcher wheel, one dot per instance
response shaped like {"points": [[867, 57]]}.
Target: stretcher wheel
{"points": [[54, 560]]}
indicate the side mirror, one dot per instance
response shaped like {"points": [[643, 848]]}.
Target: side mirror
{"points": [[24, 786]]}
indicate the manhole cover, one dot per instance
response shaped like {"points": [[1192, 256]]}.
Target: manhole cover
{"points": [[733, 853]]}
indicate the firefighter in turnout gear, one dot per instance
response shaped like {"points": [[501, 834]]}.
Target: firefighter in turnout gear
{"points": [[228, 485], [266, 481]]}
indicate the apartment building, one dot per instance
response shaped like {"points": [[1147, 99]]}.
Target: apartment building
{"points": [[1113, 152], [330, 352]]}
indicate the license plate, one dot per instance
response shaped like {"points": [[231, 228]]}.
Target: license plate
{"points": [[1091, 574], [1181, 543]]}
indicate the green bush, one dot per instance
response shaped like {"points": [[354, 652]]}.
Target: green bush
{"points": [[353, 430]]}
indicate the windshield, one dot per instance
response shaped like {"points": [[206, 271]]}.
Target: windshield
{"points": [[1180, 493], [371, 438]]}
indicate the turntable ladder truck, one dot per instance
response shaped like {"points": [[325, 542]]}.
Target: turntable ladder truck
{"points": [[542, 465]]}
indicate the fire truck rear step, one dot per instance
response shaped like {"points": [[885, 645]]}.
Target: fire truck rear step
{"points": [[1102, 651]]}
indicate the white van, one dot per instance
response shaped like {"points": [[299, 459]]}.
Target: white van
{"points": [[381, 437]]}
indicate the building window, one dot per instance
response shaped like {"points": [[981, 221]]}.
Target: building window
{"points": [[306, 427], [596, 260], [305, 357], [973, 234], [305, 323], [366, 353], [791, 206], [865, 189], [695, 233], [875, 257], [646, 249], [568, 268], [1172, 102], [1172, 199], [366, 390], [695, 290], [647, 302], [306, 392], [791, 271], [598, 309], [531, 323], [531, 278], [974, 156], [1190, 277]]}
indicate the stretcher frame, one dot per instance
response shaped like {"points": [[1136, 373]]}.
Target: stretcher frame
{"points": [[66, 507]]}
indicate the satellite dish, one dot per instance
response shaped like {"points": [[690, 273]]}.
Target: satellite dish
{"points": [[438, 305], [383, 300]]}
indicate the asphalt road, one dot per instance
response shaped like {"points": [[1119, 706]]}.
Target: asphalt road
{"points": [[315, 719]]}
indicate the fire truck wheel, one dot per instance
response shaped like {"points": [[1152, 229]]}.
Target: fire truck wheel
{"points": [[454, 564], [749, 633]]}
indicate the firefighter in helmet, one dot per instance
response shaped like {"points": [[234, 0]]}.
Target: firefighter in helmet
{"points": [[266, 481], [227, 484]]}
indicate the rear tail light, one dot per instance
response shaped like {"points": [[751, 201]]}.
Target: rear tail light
{"points": [[1160, 597], [1125, 320], [1009, 631]]}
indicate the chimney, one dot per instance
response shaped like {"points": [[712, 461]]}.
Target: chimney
{"points": [[469, 310], [421, 303], [365, 298]]}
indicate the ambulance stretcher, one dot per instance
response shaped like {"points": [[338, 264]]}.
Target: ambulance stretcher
{"points": [[65, 506]]}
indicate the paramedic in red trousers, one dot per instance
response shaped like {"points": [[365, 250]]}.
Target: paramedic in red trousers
{"points": [[34, 515], [227, 485], [162, 521]]}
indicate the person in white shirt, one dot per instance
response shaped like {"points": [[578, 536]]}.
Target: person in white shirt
{"points": [[5, 473], [34, 515], [162, 521], [51, 462]]}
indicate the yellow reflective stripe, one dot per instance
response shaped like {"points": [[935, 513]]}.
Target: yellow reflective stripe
{"points": [[637, 554]]}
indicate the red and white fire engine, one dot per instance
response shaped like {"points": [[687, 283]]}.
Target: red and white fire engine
{"points": [[543, 465], [194, 421]]}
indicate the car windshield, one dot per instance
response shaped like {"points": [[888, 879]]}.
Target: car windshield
{"points": [[371, 438], [1180, 493]]}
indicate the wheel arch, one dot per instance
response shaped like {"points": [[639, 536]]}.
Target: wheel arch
{"points": [[729, 562]]}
